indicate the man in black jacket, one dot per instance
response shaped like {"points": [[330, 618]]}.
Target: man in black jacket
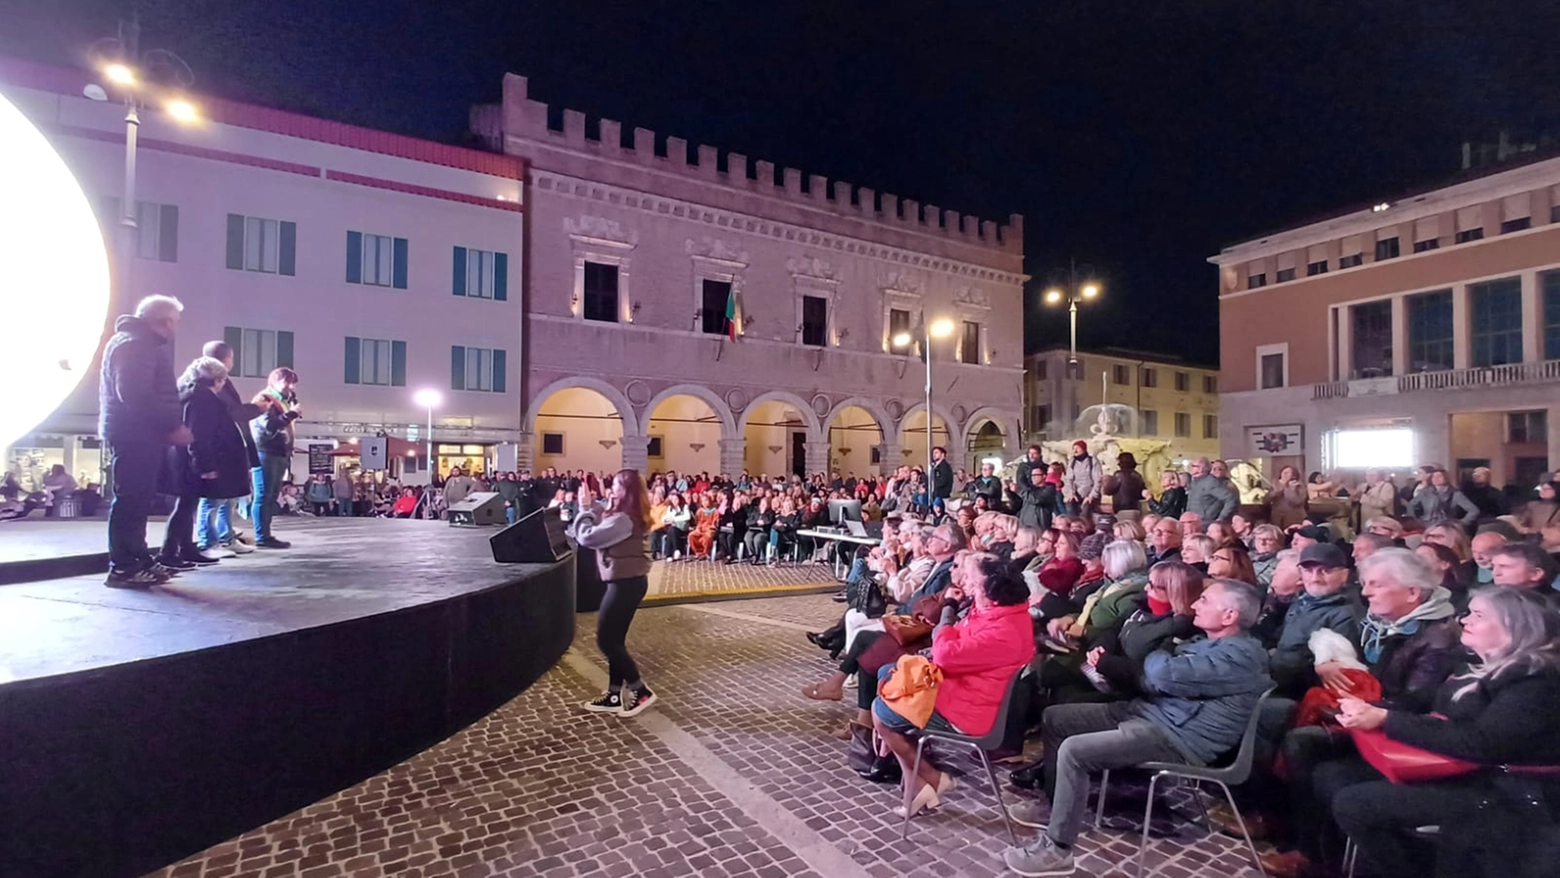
{"points": [[273, 430], [139, 416], [942, 477]]}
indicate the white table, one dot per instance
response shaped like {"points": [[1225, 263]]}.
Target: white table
{"points": [[841, 563]]}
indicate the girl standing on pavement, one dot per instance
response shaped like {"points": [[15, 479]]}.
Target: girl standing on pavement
{"points": [[617, 532]]}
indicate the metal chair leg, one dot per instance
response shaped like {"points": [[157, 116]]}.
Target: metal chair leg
{"points": [[909, 784], [1230, 797], [1197, 795], [1148, 817], [991, 775], [1099, 803], [1351, 852]]}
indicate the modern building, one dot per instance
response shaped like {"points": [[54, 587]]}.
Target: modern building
{"points": [[696, 310], [574, 308], [1424, 329], [1169, 398], [372, 264]]}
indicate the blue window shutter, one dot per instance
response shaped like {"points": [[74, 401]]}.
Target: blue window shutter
{"points": [[354, 359], [168, 234], [288, 262], [398, 271], [354, 257], [458, 366], [459, 280], [284, 349], [498, 370], [397, 364], [234, 336], [500, 277], [235, 241]]}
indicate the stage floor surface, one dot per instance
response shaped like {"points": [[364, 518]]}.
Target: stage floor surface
{"points": [[337, 569]]}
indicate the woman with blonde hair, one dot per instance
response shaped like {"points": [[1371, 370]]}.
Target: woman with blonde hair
{"points": [[1129, 530], [617, 531]]}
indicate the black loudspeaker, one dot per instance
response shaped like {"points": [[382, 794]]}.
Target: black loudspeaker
{"points": [[538, 538], [478, 510]]}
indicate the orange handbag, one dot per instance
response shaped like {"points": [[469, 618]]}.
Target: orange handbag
{"points": [[911, 689]]}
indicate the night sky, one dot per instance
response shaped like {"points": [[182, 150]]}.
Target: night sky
{"points": [[1139, 137]]}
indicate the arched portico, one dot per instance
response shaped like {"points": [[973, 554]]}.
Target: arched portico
{"points": [[856, 428], [580, 422], [782, 435]]}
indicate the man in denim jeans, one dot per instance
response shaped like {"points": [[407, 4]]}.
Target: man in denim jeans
{"points": [[273, 432], [209, 533]]}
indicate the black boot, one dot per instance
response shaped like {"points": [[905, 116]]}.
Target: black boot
{"points": [[1028, 777]]}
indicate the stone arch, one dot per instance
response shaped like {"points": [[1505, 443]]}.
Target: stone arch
{"points": [[809, 417], [948, 422], [885, 424], [1005, 421], [613, 395], [728, 421]]}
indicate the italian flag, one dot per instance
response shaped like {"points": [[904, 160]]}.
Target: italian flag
{"points": [[731, 314]]}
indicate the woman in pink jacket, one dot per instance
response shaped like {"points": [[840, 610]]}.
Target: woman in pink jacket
{"points": [[978, 656]]}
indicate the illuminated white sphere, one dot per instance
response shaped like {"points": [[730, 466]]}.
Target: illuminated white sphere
{"points": [[53, 277]]}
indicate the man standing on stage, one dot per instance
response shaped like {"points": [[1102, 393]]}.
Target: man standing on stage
{"points": [[209, 535], [139, 416], [273, 431]]}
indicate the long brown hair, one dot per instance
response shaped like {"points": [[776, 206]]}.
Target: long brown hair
{"points": [[635, 502]]}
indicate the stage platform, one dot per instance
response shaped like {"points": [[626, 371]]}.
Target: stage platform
{"points": [[141, 726]]}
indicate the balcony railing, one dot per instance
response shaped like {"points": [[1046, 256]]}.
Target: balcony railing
{"points": [[1542, 372]]}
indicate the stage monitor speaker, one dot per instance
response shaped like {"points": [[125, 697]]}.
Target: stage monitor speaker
{"points": [[478, 510], [538, 538]]}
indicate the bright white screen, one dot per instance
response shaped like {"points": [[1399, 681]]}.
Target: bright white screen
{"points": [[1363, 448], [53, 276]]}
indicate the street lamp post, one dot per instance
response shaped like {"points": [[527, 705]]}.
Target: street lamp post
{"points": [[429, 399], [930, 329], [1088, 288]]}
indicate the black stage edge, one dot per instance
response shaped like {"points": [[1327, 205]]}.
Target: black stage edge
{"points": [[120, 770]]}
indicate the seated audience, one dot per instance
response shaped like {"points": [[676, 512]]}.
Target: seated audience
{"points": [[1232, 562], [1324, 572]]}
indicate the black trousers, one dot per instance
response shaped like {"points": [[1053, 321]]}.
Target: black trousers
{"points": [[134, 467], [612, 620], [179, 539]]}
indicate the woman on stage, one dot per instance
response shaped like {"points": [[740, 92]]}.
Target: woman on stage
{"points": [[617, 533]]}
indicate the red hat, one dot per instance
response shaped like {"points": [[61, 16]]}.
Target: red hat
{"points": [[1081, 444]]}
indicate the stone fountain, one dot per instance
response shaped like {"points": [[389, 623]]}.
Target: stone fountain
{"points": [[1102, 426]]}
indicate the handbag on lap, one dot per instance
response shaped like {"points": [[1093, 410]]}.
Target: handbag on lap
{"points": [[1402, 763]]}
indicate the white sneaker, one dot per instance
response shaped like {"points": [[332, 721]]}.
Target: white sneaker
{"points": [[238, 547]]}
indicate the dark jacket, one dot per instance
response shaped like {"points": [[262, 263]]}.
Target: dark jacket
{"points": [[1170, 504], [1411, 665], [1202, 695], [217, 447], [989, 487], [273, 430], [242, 413], [1491, 502], [940, 578], [1125, 489], [1509, 719], [1130, 643], [1024, 466], [1039, 504], [138, 393], [1292, 664], [1213, 498], [942, 479]]}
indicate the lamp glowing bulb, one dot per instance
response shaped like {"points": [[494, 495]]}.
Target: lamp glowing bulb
{"points": [[427, 398], [1090, 291], [182, 111], [119, 74], [941, 328], [1053, 296], [49, 243]]}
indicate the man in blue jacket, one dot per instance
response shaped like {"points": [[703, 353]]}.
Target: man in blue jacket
{"points": [[1200, 699], [139, 416]]}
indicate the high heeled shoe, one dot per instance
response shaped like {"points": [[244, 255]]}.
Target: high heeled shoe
{"points": [[925, 800]]}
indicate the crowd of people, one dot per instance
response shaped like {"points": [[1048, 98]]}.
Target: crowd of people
{"points": [[1161, 633]]}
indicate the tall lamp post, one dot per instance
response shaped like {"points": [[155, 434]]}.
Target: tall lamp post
{"points": [[941, 328], [130, 73], [1072, 292], [430, 400]]}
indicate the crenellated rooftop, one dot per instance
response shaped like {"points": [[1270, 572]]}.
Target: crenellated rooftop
{"points": [[520, 118]]}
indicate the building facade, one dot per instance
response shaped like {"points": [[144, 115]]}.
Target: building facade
{"points": [[1169, 399], [372, 264], [700, 311], [568, 296], [1422, 330]]}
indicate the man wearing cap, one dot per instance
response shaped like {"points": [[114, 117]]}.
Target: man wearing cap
{"points": [[1324, 571], [1302, 538]]}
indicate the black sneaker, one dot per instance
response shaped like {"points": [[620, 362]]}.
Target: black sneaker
{"points": [[121, 578], [199, 558], [158, 570], [273, 543], [175, 563], [637, 701], [607, 702]]}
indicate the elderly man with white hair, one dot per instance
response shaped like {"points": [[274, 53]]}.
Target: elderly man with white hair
{"points": [[139, 417]]}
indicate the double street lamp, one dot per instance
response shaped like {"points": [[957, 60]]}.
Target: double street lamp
{"points": [[940, 328], [1080, 286]]}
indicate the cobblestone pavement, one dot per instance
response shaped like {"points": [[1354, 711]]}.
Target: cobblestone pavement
{"points": [[676, 581], [732, 774]]}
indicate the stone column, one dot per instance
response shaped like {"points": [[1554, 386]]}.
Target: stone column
{"points": [[733, 453], [817, 457], [888, 458], [525, 450], [636, 453]]}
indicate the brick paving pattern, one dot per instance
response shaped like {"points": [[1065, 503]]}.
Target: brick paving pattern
{"points": [[731, 774], [682, 580]]}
